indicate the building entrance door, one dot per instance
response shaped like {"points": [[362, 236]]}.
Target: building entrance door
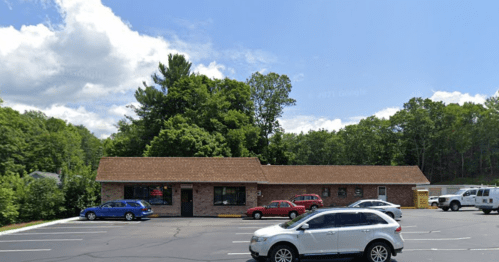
{"points": [[382, 193], [187, 206]]}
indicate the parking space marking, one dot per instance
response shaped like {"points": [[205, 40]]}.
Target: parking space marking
{"points": [[408, 226], [235, 254], [81, 227], [38, 240], [240, 242], [25, 250], [244, 233], [438, 239], [421, 232], [56, 233]]}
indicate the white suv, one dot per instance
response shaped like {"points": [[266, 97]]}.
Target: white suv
{"points": [[487, 199], [330, 232], [462, 198]]}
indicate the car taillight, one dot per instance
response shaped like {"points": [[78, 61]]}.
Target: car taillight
{"points": [[398, 229], [144, 209]]}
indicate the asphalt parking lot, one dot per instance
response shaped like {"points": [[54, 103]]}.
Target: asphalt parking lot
{"points": [[430, 235]]}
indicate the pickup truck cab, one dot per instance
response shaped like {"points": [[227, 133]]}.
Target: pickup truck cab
{"points": [[487, 199], [463, 198]]}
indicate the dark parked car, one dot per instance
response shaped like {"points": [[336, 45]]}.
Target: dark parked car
{"points": [[128, 209], [281, 208]]}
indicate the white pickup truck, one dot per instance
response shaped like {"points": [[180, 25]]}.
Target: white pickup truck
{"points": [[462, 198]]}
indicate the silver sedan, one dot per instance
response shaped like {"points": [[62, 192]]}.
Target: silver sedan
{"points": [[386, 207]]}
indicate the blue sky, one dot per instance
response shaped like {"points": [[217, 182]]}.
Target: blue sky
{"points": [[82, 60]]}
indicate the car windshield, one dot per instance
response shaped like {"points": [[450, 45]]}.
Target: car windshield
{"points": [[293, 204], [145, 203], [354, 204], [460, 192], [297, 220]]}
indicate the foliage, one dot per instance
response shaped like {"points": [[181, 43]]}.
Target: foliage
{"points": [[80, 190], [43, 199]]}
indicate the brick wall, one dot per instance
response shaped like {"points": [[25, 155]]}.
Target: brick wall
{"points": [[202, 194], [397, 194]]}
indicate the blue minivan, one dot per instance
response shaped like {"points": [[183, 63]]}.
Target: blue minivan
{"points": [[129, 209]]}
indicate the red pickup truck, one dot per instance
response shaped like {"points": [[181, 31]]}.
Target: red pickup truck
{"points": [[280, 208]]}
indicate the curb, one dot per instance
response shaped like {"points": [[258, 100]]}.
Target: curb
{"points": [[229, 215], [13, 231]]}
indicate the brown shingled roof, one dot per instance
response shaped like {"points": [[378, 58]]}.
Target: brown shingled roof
{"points": [[407, 175], [179, 169]]}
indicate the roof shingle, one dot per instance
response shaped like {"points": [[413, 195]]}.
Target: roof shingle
{"points": [[179, 169], [406, 175]]}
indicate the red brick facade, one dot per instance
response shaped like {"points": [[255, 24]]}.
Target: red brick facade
{"points": [[202, 194], [397, 194]]}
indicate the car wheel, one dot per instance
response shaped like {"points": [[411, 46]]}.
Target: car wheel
{"points": [[292, 215], [129, 216], [257, 215], [313, 208], [445, 208], [486, 211], [390, 214], [282, 253], [378, 252], [91, 216], [454, 206], [434, 205]]}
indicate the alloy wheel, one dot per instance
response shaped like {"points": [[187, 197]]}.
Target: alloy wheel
{"points": [[91, 216], [129, 216], [379, 253], [283, 255]]}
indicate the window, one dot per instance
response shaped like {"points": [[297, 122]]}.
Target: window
{"points": [[473, 192], [119, 204], [273, 205], [300, 198], [342, 192], [315, 197], [351, 220], [326, 192], [155, 195], [359, 192], [229, 196], [325, 221], [479, 192], [374, 219], [284, 204], [486, 192], [308, 198], [365, 204]]}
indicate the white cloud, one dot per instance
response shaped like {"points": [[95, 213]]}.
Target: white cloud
{"points": [[387, 112], [457, 97], [303, 123], [101, 126], [121, 111], [9, 4], [213, 70], [92, 54], [299, 77]]}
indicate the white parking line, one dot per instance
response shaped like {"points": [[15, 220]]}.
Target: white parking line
{"points": [[25, 250], [437, 239], [38, 240], [236, 254], [407, 226], [82, 227], [421, 232], [240, 242], [56, 233], [244, 233]]}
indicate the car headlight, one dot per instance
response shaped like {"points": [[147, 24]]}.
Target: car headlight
{"points": [[258, 239]]}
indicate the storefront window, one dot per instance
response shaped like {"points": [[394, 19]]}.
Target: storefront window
{"points": [[155, 195], [227, 196]]}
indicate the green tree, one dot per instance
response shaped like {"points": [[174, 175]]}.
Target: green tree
{"points": [[8, 208], [178, 67], [43, 200], [80, 190], [270, 94]]}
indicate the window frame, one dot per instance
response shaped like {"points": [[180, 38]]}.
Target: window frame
{"points": [[147, 198], [326, 192], [361, 192], [238, 192], [340, 190]]}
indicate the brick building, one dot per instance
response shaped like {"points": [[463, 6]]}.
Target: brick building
{"points": [[192, 186]]}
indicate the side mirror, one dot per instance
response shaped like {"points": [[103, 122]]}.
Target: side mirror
{"points": [[265, 206], [304, 226]]}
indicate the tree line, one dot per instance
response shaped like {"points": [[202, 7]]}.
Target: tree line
{"points": [[182, 114]]}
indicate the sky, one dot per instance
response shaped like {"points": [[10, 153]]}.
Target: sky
{"points": [[82, 60]]}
